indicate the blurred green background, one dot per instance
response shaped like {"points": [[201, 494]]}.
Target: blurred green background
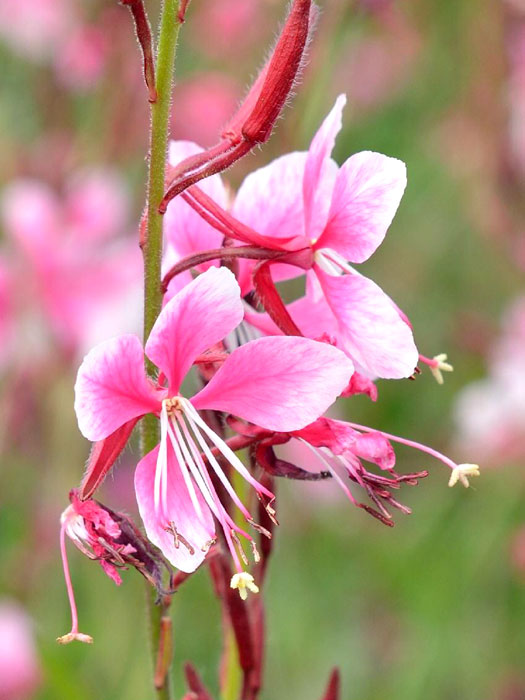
{"points": [[433, 608]]}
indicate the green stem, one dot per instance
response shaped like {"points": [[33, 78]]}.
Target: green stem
{"points": [[152, 249]]}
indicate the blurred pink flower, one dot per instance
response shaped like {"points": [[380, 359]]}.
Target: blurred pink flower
{"points": [[33, 27], [490, 413], [228, 27], [204, 105], [80, 59], [373, 69], [67, 282], [20, 672]]}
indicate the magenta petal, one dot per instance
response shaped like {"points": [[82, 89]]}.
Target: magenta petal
{"points": [[186, 232], [197, 529], [270, 199], [371, 330], [278, 383], [320, 171], [366, 195], [112, 387], [201, 314]]}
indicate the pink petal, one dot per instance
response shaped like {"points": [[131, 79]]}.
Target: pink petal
{"points": [[112, 387], [197, 529], [270, 199], [342, 439], [320, 171], [366, 196], [278, 383], [374, 447], [185, 230], [371, 330], [201, 314]]}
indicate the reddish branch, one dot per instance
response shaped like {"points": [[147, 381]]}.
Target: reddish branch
{"points": [[143, 30]]}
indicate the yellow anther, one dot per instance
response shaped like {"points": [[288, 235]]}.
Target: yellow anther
{"points": [[172, 405], [244, 582], [441, 366], [461, 472], [75, 637]]}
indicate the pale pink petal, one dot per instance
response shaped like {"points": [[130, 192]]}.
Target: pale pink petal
{"points": [[366, 195], [184, 229], [201, 314], [279, 383], [270, 199], [320, 171], [196, 528], [371, 330], [112, 387]]}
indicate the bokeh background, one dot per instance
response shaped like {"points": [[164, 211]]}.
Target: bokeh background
{"points": [[432, 608]]}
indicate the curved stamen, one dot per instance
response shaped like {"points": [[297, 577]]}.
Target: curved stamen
{"points": [[236, 463]]}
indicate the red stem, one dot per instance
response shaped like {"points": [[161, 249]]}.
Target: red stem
{"points": [[271, 300], [143, 30], [249, 252]]}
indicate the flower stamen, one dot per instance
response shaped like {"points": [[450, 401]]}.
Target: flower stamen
{"points": [[461, 472], [244, 582]]}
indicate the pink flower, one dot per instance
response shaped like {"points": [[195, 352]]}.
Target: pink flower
{"points": [[340, 448], [304, 201], [276, 383], [20, 672]]}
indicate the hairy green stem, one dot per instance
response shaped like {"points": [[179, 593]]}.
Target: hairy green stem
{"points": [[152, 251]]}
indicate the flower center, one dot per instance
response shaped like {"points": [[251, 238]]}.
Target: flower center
{"points": [[196, 447]]}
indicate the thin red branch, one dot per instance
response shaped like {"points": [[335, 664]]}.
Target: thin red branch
{"points": [[143, 31], [249, 252], [271, 300]]}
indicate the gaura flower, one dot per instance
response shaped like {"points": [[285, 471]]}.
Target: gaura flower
{"points": [[279, 384], [342, 445], [339, 448], [304, 201]]}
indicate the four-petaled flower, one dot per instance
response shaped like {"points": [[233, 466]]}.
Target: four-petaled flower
{"points": [[279, 383]]}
